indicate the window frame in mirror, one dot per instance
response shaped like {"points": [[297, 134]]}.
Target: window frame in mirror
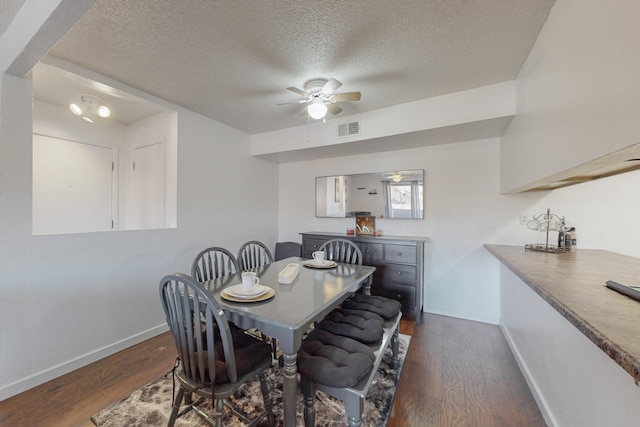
{"points": [[337, 195]]}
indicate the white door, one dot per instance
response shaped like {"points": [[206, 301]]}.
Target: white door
{"points": [[149, 186], [73, 187]]}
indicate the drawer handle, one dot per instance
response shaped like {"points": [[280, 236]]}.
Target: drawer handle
{"points": [[399, 273], [399, 253]]}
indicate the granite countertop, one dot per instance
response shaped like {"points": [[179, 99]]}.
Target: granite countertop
{"points": [[573, 283]]}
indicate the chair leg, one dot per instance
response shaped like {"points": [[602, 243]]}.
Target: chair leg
{"points": [[309, 393], [395, 343], [176, 407], [354, 409], [266, 397], [219, 403]]}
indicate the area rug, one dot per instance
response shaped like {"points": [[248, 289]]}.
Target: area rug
{"points": [[151, 405]]}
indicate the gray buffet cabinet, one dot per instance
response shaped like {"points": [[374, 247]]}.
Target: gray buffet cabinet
{"points": [[399, 262]]}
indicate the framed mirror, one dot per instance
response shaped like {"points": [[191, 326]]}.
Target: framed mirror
{"points": [[396, 194]]}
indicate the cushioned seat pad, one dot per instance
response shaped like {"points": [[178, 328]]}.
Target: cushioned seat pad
{"points": [[385, 307], [361, 325], [333, 360], [248, 351]]}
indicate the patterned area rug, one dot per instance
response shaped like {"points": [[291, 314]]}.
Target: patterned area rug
{"points": [[151, 405]]}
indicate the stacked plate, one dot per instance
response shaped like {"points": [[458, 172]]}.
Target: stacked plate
{"points": [[237, 293], [320, 264]]}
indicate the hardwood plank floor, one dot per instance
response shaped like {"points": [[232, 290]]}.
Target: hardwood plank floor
{"points": [[457, 373], [461, 373]]}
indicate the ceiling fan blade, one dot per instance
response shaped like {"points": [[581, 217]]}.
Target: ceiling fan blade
{"points": [[344, 97], [302, 101], [333, 108], [298, 91], [330, 86]]}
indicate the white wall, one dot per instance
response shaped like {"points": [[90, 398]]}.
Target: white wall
{"points": [[68, 300], [464, 210], [577, 92]]}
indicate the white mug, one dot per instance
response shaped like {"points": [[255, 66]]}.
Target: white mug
{"points": [[249, 281], [318, 257]]}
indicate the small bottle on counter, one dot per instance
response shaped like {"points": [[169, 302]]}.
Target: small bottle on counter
{"points": [[574, 239], [561, 237]]}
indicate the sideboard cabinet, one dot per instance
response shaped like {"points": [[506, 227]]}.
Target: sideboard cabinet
{"points": [[399, 262]]}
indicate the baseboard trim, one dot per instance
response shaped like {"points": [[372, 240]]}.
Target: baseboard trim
{"points": [[42, 377], [484, 318], [533, 386]]}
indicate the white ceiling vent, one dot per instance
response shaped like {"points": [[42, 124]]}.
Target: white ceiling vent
{"points": [[348, 129]]}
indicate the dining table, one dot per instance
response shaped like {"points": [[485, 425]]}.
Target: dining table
{"points": [[288, 312]]}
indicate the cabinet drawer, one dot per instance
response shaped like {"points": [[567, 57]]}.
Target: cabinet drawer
{"points": [[371, 251], [400, 253], [310, 246], [396, 273], [405, 294]]}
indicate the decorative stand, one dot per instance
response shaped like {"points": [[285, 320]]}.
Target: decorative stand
{"points": [[546, 222]]}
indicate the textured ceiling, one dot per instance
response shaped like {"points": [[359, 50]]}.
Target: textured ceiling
{"points": [[231, 60]]}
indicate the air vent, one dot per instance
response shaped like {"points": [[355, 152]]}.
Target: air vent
{"points": [[348, 129]]}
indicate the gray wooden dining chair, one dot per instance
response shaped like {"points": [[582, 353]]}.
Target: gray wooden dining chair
{"points": [[342, 250], [253, 254], [213, 361], [287, 249], [213, 263]]}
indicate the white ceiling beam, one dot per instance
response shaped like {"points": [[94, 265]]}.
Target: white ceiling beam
{"points": [[35, 29]]}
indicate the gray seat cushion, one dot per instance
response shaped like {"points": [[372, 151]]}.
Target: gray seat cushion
{"points": [[361, 325], [385, 307], [333, 360]]}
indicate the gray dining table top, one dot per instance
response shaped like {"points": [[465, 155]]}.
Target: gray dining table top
{"points": [[294, 306]]}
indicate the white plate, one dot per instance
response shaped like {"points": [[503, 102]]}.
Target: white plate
{"points": [[238, 292], [324, 264]]}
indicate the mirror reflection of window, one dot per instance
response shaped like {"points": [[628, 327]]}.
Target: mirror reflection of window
{"points": [[364, 194], [403, 200]]}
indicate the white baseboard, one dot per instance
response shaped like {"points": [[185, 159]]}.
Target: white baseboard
{"points": [[42, 377], [444, 311], [535, 390]]}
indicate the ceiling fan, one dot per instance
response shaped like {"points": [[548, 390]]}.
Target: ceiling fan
{"points": [[395, 177], [319, 94]]}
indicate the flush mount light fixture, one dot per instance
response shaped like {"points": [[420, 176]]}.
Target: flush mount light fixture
{"points": [[317, 110], [89, 107]]}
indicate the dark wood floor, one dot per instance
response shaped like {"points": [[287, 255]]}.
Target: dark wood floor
{"points": [[457, 373]]}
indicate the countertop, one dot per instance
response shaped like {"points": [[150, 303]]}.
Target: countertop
{"points": [[573, 283]]}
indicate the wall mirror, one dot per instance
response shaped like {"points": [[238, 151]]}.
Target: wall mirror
{"points": [[395, 194]]}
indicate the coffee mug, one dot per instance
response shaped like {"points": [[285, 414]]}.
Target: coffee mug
{"points": [[249, 281], [318, 257]]}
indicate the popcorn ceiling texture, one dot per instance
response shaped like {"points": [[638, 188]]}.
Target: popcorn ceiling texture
{"points": [[232, 60]]}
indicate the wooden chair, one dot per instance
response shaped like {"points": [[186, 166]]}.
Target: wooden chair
{"points": [[213, 263], [342, 250], [287, 249], [214, 361], [253, 254]]}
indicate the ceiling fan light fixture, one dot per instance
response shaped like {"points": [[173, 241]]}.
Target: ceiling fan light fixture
{"points": [[396, 177], [317, 110]]}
